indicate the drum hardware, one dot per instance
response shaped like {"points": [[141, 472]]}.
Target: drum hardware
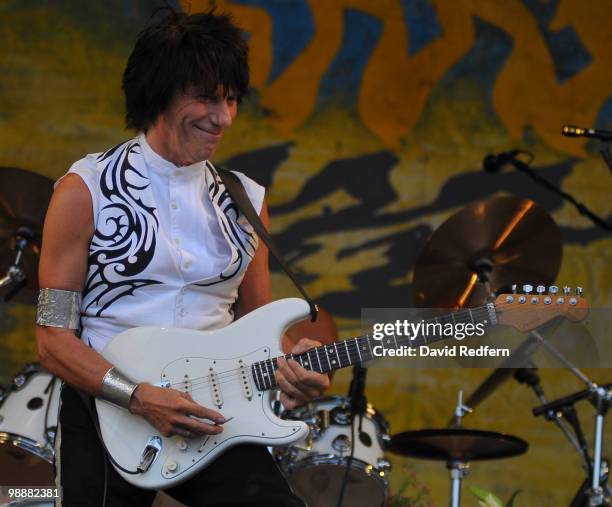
{"points": [[594, 491], [28, 423], [24, 198], [316, 467], [457, 446]]}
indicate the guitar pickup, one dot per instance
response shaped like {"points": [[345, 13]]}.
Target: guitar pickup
{"points": [[151, 451], [215, 388], [245, 381]]}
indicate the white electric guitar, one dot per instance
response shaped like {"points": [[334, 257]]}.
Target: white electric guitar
{"points": [[232, 370]]}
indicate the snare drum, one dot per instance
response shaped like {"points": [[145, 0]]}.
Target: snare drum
{"points": [[315, 467], [28, 422]]}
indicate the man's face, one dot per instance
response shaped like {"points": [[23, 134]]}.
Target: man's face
{"points": [[192, 126]]}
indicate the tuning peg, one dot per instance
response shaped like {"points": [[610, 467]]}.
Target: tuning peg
{"points": [[553, 289], [527, 288], [567, 290], [579, 292], [540, 289], [513, 288]]}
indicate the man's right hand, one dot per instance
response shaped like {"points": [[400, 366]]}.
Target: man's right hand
{"points": [[173, 412]]}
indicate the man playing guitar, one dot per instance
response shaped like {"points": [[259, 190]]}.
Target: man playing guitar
{"points": [[145, 234]]}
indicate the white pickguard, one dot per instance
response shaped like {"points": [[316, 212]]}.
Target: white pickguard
{"points": [[185, 358]]}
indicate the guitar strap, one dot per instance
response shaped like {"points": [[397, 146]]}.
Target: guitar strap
{"points": [[239, 196]]}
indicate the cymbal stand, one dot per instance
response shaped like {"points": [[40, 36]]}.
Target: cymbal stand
{"points": [[600, 397], [529, 376], [15, 274], [458, 469]]}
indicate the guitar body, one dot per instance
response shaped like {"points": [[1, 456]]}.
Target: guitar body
{"points": [[214, 367]]}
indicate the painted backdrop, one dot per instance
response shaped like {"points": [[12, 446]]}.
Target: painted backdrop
{"points": [[367, 122]]}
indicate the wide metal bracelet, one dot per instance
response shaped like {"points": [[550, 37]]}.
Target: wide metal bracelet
{"points": [[58, 308], [117, 388]]}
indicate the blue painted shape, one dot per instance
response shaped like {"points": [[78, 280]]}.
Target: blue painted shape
{"points": [[567, 51], [480, 65], [342, 81], [604, 117], [422, 24], [292, 30]]}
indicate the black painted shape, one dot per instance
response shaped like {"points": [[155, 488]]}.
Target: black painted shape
{"points": [[260, 165], [365, 178], [376, 287], [458, 190]]}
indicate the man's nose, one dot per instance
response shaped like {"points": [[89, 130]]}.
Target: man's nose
{"points": [[222, 115]]}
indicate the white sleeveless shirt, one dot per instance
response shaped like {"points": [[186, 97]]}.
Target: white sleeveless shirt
{"points": [[170, 248]]}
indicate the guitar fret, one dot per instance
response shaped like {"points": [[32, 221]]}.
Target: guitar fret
{"points": [[319, 359], [270, 372], [263, 377], [311, 364], [332, 363], [471, 315], [358, 351], [256, 378], [369, 345], [348, 354], [337, 355], [327, 357]]}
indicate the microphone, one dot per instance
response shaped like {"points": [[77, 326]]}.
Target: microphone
{"points": [[493, 163], [573, 131]]}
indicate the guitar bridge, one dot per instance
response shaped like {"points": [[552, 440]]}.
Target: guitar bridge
{"points": [[151, 451]]}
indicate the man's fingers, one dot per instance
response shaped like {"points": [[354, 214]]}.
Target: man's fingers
{"points": [[190, 407], [306, 378], [304, 345], [288, 402], [195, 427], [289, 388]]}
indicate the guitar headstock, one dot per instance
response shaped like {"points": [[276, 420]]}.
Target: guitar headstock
{"points": [[528, 311]]}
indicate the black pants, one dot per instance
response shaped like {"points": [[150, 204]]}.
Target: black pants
{"points": [[245, 475]]}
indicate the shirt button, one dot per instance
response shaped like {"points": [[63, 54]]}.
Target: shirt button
{"points": [[182, 312], [187, 264], [176, 173], [177, 241], [173, 205]]}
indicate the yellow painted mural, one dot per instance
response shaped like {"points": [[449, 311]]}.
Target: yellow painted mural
{"points": [[367, 122]]}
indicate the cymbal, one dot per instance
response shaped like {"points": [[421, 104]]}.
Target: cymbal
{"points": [[505, 239], [24, 198], [456, 444]]}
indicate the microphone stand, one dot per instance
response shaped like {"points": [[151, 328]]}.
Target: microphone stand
{"points": [[582, 209], [358, 407], [606, 155]]}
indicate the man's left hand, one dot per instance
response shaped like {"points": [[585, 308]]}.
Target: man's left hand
{"points": [[298, 385]]}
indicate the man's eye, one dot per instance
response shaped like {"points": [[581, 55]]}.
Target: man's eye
{"points": [[231, 99]]}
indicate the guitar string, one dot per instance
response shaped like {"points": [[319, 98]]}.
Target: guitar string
{"points": [[230, 375]]}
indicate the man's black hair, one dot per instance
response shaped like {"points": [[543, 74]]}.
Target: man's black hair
{"points": [[179, 52]]}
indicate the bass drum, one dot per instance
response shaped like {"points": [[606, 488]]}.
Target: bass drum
{"points": [[315, 467], [28, 422]]}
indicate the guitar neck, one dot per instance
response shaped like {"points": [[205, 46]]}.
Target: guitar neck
{"points": [[357, 350]]}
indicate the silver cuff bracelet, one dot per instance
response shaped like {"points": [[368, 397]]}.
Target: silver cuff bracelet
{"points": [[117, 388], [58, 308]]}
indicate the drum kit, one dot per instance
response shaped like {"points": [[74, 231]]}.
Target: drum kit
{"points": [[479, 251]]}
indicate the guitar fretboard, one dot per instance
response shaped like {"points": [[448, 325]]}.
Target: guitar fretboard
{"points": [[360, 349]]}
